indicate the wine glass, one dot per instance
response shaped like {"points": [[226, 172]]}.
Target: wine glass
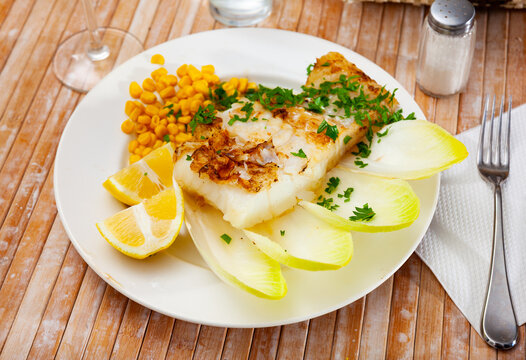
{"points": [[85, 57]]}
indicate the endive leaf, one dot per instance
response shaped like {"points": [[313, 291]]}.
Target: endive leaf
{"points": [[411, 150], [300, 240], [394, 203], [238, 262]]}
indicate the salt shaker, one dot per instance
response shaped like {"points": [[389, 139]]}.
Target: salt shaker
{"points": [[447, 42]]}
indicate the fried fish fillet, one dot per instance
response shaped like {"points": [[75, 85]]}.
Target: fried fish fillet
{"points": [[255, 170]]}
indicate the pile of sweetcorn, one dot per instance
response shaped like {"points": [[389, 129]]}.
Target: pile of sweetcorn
{"points": [[165, 103]]}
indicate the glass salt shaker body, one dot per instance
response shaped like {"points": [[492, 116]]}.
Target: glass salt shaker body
{"points": [[447, 43]]}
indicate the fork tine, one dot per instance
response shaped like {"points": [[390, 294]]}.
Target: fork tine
{"points": [[480, 154], [497, 156], [491, 126], [506, 157]]}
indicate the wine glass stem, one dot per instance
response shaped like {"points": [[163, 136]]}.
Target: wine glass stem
{"points": [[96, 50]]}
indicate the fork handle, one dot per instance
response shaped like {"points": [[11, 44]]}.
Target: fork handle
{"points": [[498, 321]]}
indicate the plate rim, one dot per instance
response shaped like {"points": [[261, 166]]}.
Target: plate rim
{"points": [[114, 284]]}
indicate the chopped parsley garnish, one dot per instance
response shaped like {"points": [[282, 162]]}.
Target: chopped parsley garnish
{"points": [[145, 174], [221, 99], [360, 164], [166, 138], [203, 116], [318, 104], [326, 64], [300, 154], [363, 150], [327, 203], [188, 158], [218, 152], [332, 185], [168, 106], [282, 232], [248, 108], [364, 213], [226, 238], [309, 68], [346, 194], [382, 134], [330, 130], [275, 98], [346, 139], [203, 137]]}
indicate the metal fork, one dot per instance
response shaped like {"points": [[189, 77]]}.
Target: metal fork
{"points": [[499, 327]]}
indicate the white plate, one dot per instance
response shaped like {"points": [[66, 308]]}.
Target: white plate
{"points": [[177, 282]]}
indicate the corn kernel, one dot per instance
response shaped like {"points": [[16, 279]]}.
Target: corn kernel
{"points": [[185, 107], [243, 83], [144, 138], [135, 114], [156, 74], [172, 129], [182, 137], [167, 92], [158, 104], [127, 126], [234, 82], [182, 127], [155, 121], [139, 149], [172, 138], [201, 86], [252, 85], [228, 86], [171, 119], [144, 119], [189, 91], [148, 97], [184, 119], [163, 122], [146, 151], [199, 97], [148, 84], [181, 94], [158, 144], [139, 105], [194, 73], [140, 128], [185, 81], [206, 103], [160, 131], [215, 79], [170, 79], [208, 69], [135, 90], [182, 70], [163, 112], [133, 145], [159, 86], [194, 106], [128, 107], [208, 78], [157, 59], [134, 158], [153, 138], [152, 110]]}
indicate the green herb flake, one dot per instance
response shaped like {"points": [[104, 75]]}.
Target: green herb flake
{"points": [[203, 137], [330, 130], [332, 185], [203, 116], [145, 174], [326, 64], [382, 134], [327, 203], [226, 238], [346, 194], [346, 139], [364, 213], [309, 68], [166, 138], [360, 164], [188, 158], [282, 232], [300, 154]]}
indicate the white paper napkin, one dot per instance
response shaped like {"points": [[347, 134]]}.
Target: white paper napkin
{"points": [[457, 246]]}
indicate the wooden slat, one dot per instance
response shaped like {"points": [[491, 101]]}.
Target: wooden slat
{"points": [[157, 337], [210, 342], [348, 331], [184, 338], [321, 329], [131, 332], [496, 52], [24, 328], [455, 335], [59, 306], [237, 344], [330, 20], [203, 20], [350, 24], [370, 30], [265, 343], [478, 349], [184, 18], [518, 352], [428, 339], [106, 326], [292, 341], [82, 317], [310, 17], [290, 14]]}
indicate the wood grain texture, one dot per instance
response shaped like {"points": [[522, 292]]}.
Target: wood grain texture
{"points": [[53, 305]]}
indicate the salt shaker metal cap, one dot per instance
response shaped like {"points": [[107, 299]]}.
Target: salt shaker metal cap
{"points": [[451, 17]]}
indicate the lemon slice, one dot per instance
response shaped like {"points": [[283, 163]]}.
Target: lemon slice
{"points": [[146, 228], [143, 179]]}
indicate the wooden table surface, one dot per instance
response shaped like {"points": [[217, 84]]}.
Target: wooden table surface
{"points": [[53, 305]]}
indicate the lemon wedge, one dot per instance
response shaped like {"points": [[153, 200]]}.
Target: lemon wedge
{"points": [[146, 228], [143, 179]]}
